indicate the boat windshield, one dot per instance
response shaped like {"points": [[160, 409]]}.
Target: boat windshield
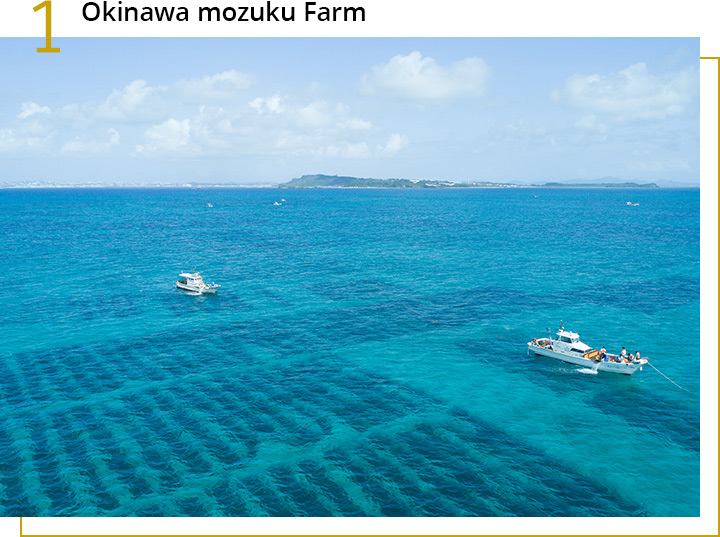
{"points": [[567, 339]]}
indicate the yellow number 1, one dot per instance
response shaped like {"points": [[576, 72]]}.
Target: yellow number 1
{"points": [[48, 27]]}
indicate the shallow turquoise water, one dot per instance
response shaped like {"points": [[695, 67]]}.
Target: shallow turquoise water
{"points": [[366, 354]]}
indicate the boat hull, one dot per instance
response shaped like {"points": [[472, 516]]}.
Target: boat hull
{"points": [[196, 290], [622, 368]]}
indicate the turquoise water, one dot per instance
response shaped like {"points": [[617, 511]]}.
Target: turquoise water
{"points": [[365, 356]]}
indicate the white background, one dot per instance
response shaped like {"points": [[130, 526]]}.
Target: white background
{"points": [[446, 18], [400, 18]]}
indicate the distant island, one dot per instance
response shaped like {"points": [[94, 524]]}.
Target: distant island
{"points": [[343, 181], [340, 181], [626, 184]]}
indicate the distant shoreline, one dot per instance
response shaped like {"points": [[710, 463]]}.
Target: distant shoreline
{"points": [[335, 181], [280, 187], [320, 181]]}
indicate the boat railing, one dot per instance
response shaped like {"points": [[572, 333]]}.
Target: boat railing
{"points": [[542, 342], [618, 359]]}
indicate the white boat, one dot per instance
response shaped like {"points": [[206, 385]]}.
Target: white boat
{"points": [[567, 347], [193, 283]]}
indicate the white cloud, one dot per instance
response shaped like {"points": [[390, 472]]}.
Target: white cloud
{"points": [[78, 145], [28, 136], [140, 102], [218, 86], [321, 114], [29, 109], [346, 150], [164, 121], [271, 104], [396, 142], [268, 126], [630, 94], [168, 137], [360, 150], [211, 131], [314, 115], [417, 77], [354, 124], [8, 140], [131, 101], [14, 142], [31, 132]]}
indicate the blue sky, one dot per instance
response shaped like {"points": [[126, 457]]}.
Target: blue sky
{"points": [[253, 110]]}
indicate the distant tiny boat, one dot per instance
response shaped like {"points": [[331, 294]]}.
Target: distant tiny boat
{"points": [[283, 199], [276, 203], [632, 204], [568, 348], [209, 205], [194, 284]]}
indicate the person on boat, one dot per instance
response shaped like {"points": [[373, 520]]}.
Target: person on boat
{"points": [[623, 354], [637, 355], [601, 355]]}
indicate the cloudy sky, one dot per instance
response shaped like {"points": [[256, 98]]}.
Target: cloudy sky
{"points": [[267, 110]]}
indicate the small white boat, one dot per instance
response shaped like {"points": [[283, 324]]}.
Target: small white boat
{"points": [[194, 284], [568, 348], [209, 205]]}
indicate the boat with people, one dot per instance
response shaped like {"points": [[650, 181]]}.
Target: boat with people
{"points": [[194, 284], [567, 347]]}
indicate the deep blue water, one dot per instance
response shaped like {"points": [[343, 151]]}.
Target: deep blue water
{"points": [[365, 356]]}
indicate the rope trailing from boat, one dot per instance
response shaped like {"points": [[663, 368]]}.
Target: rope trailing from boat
{"points": [[664, 375]]}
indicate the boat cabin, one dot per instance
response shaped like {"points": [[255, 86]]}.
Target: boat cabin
{"points": [[568, 337], [570, 341], [193, 279]]}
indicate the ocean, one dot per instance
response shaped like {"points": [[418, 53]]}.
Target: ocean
{"points": [[364, 356]]}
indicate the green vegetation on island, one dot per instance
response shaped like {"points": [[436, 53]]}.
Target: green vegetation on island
{"points": [[340, 181]]}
